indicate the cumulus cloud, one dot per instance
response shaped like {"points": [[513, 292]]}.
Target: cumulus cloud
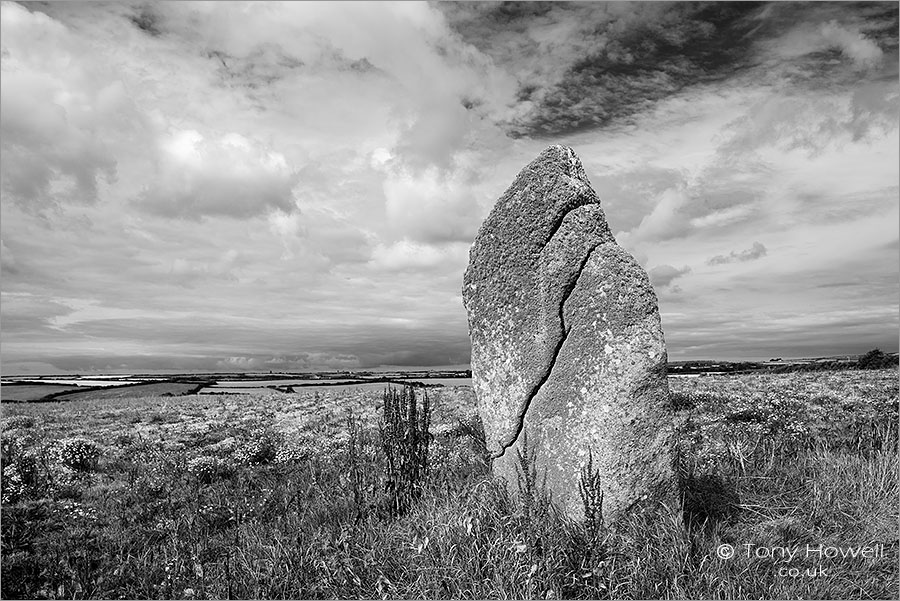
{"points": [[65, 120], [667, 219], [662, 276], [403, 55], [813, 122], [853, 44], [431, 206], [757, 251], [409, 255], [692, 209], [230, 175], [862, 51]]}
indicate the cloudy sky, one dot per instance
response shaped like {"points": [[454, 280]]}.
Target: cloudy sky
{"points": [[227, 186]]}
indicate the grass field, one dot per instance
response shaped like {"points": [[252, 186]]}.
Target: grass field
{"points": [[282, 496], [44, 392], [32, 392]]}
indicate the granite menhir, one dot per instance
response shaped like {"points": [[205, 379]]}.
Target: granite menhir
{"points": [[567, 344]]}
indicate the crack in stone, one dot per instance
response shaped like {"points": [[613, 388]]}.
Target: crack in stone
{"points": [[565, 334]]}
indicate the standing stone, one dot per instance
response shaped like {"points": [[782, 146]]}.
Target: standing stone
{"points": [[567, 344]]}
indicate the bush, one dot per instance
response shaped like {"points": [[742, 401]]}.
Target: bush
{"points": [[79, 454], [875, 359]]}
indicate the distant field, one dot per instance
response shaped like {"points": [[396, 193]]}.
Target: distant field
{"points": [[117, 390], [130, 392], [37, 392], [273, 495], [30, 392]]}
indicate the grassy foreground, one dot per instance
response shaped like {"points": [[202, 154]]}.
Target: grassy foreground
{"points": [[283, 496]]}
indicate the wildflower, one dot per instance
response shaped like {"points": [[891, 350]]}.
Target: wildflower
{"points": [[78, 511], [13, 486], [78, 453], [292, 452]]}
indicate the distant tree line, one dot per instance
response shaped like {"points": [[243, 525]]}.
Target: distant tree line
{"points": [[816, 366], [875, 359]]}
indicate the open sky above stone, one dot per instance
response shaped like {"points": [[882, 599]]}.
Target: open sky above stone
{"points": [[223, 186]]}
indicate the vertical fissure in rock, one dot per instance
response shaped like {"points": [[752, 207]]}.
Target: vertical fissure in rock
{"points": [[520, 421]]}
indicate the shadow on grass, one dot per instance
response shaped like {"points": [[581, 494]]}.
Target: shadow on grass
{"points": [[708, 500]]}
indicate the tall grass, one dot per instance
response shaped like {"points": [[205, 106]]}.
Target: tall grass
{"points": [[146, 520], [404, 442]]}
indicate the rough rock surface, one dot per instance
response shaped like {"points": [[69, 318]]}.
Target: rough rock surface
{"points": [[567, 344]]}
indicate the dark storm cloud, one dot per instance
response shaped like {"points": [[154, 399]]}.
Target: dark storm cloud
{"points": [[754, 252], [582, 66], [616, 60], [146, 19]]}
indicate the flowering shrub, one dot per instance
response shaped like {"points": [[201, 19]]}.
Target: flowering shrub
{"points": [[260, 448], [78, 453], [293, 451], [14, 442], [13, 487], [20, 463], [207, 469], [19, 421]]}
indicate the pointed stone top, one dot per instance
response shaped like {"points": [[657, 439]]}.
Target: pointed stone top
{"points": [[562, 158]]}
